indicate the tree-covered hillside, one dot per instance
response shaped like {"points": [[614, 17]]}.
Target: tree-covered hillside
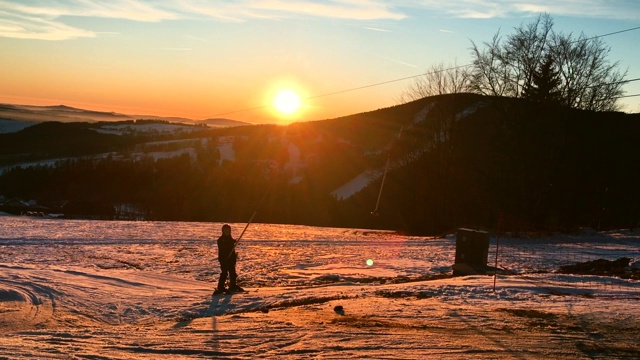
{"points": [[454, 160]]}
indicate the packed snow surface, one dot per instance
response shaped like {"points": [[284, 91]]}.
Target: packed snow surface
{"points": [[143, 290]]}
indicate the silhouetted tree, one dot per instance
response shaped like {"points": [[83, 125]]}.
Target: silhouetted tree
{"points": [[587, 79], [438, 80], [544, 84]]}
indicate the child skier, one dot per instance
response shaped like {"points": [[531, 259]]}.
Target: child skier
{"points": [[227, 257]]}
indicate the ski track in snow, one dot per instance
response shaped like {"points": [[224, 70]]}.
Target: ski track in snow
{"points": [[144, 291], [363, 179]]}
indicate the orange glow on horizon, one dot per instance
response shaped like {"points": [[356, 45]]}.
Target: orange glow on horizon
{"points": [[254, 105]]}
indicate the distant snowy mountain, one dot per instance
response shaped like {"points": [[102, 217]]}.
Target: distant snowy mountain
{"points": [[17, 117]]}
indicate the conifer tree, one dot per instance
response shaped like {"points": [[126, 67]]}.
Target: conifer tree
{"points": [[544, 86]]}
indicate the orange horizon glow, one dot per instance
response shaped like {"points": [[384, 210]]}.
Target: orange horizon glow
{"points": [[175, 59], [256, 107]]}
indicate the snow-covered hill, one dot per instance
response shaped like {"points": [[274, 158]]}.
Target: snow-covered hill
{"points": [[143, 290]]}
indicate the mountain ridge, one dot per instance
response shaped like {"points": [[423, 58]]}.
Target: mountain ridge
{"points": [[458, 160], [28, 115]]}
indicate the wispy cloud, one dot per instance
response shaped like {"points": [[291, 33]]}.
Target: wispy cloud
{"points": [[345, 9], [26, 26], [119, 9], [170, 49], [43, 19], [48, 20], [397, 61], [622, 9], [486, 9], [32, 19], [376, 29]]}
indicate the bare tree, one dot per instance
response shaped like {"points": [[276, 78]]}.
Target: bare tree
{"points": [[489, 74], [439, 79], [525, 51], [587, 79], [506, 69]]}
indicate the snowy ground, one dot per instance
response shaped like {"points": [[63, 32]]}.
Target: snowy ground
{"points": [[142, 290]]}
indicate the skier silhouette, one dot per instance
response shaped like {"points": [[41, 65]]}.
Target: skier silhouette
{"points": [[227, 257]]}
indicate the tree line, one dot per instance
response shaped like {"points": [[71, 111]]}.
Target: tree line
{"points": [[507, 163], [512, 165]]}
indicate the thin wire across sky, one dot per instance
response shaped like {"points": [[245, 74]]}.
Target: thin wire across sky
{"points": [[427, 73]]}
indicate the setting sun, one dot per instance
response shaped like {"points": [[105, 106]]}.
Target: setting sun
{"points": [[287, 102]]}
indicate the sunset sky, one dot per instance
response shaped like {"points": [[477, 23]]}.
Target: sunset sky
{"points": [[203, 59]]}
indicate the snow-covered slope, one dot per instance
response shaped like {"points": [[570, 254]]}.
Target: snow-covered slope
{"points": [[142, 290], [363, 179]]}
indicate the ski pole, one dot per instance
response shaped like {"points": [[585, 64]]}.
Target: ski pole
{"points": [[250, 221], [246, 226]]}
